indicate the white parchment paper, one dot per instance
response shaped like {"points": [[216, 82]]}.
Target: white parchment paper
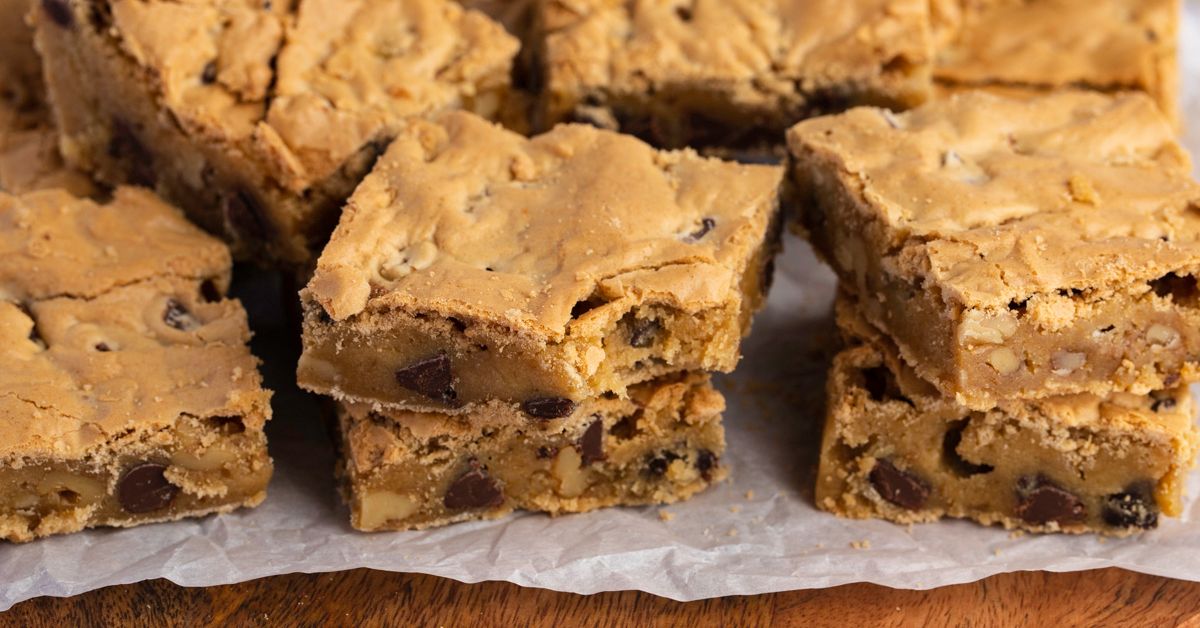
{"points": [[756, 533]]}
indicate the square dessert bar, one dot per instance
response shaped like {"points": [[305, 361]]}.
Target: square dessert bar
{"points": [[1048, 44], [405, 470], [127, 393], [477, 265], [726, 72], [1013, 248], [259, 118], [894, 448]]}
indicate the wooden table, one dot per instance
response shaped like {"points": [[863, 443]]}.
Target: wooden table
{"points": [[365, 598]]}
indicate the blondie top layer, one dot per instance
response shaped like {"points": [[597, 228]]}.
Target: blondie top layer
{"points": [[404, 470], [895, 448], [475, 264], [127, 393], [1112, 45], [695, 72], [259, 118], [1013, 247]]}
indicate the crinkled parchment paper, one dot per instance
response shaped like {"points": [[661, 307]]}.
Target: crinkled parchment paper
{"points": [[756, 533]]}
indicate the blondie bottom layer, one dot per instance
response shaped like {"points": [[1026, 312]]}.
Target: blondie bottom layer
{"points": [[475, 265], [1013, 248], [894, 448], [726, 72], [1043, 45], [407, 470], [259, 118], [127, 393]]}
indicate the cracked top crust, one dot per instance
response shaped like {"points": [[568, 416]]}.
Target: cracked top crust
{"points": [[53, 244], [1052, 43], [994, 200], [464, 217], [303, 85], [779, 46], [107, 331]]}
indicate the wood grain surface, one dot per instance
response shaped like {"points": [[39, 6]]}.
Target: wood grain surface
{"points": [[1109, 597]]}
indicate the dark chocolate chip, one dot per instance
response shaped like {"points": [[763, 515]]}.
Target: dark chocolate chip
{"points": [[210, 291], [901, 488], [706, 461], [124, 144], [1171, 379], [706, 225], [430, 377], [473, 489], [209, 74], [959, 465], [643, 331], [144, 488], [591, 444], [548, 407], [103, 347], [1163, 403], [546, 451], [1040, 501], [1132, 508], [244, 217], [684, 13], [656, 466], [59, 12], [177, 316]]}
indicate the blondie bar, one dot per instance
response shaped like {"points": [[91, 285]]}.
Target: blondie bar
{"points": [[474, 264], [127, 393], [1013, 248], [259, 118], [1048, 44], [407, 470], [895, 448], [726, 72]]}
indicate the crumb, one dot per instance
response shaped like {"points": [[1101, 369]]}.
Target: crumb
{"points": [[749, 495], [1016, 534], [707, 532], [861, 545], [996, 552], [820, 546], [665, 515], [732, 532], [735, 509]]}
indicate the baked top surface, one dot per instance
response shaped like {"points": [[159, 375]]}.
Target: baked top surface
{"points": [[105, 330], [303, 85], [996, 199], [1054, 42], [465, 218], [630, 45]]}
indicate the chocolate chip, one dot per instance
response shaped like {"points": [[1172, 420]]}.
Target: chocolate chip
{"points": [[473, 489], [591, 444], [683, 13], [209, 75], [144, 488], [1040, 500], [898, 487], [705, 462], [244, 217], [102, 347], [656, 466], [124, 144], [1162, 403], [642, 331], [1171, 379], [706, 225], [548, 407], [209, 290], [1133, 508], [430, 377], [59, 12], [546, 451], [177, 316]]}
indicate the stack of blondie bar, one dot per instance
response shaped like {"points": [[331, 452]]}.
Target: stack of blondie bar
{"points": [[1019, 295], [512, 322]]}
